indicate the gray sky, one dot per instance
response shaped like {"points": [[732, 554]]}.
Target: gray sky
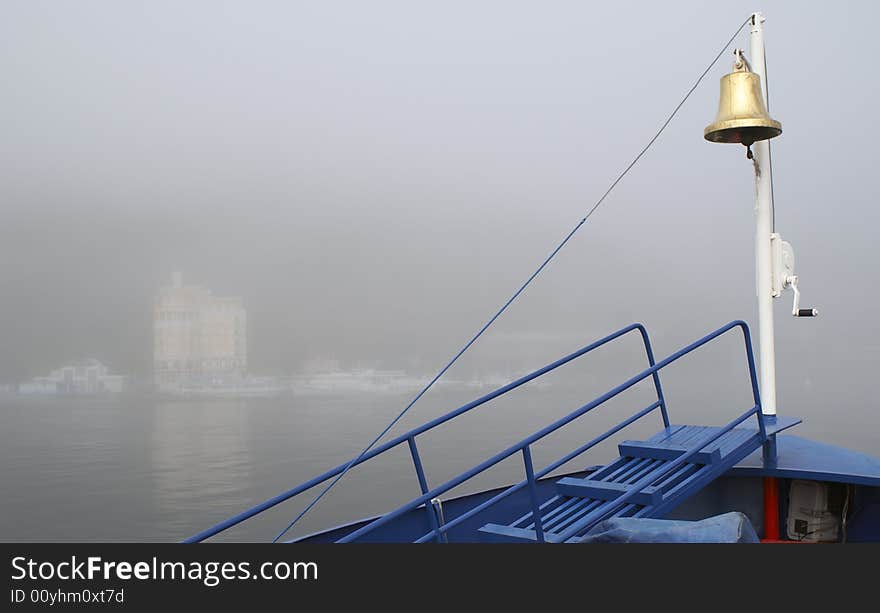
{"points": [[375, 179]]}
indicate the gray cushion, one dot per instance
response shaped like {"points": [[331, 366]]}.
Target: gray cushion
{"points": [[732, 527]]}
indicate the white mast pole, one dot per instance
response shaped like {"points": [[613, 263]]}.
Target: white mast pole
{"points": [[763, 229]]}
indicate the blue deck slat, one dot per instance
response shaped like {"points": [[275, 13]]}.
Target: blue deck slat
{"points": [[628, 465], [727, 445], [644, 470], [542, 507], [667, 436], [569, 506], [572, 511], [628, 510], [730, 441], [597, 490], [666, 432], [690, 434], [545, 518], [587, 507], [623, 475], [666, 452], [668, 482], [601, 473]]}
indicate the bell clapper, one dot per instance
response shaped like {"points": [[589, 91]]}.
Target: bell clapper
{"points": [[750, 155]]}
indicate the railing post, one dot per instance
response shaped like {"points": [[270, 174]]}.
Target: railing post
{"points": [[655, 376], [423, 484], [533, 493], [769, 452]]}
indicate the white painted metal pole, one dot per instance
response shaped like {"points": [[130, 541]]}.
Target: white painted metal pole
{"points": [[763, 229]]}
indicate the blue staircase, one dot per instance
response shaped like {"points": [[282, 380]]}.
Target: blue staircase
{"points": [[647, 472], [647, 480]]}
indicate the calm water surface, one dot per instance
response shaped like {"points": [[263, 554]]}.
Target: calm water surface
{"points": [[140, 469]]}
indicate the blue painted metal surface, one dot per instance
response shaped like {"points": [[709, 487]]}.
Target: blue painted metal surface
{"points": [[649, 487], [801, 458], [334, 472], [620, 504]]}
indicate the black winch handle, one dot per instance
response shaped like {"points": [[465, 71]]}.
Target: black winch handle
{"points": [[792, 282]]}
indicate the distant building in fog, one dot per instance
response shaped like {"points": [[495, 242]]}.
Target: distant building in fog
{"points": [[87, 376], [197, 336]]}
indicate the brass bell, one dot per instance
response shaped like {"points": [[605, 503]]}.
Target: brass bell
{"points": [[742, 115]]}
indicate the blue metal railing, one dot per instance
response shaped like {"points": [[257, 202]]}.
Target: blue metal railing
{"points": [[437, 531], [531, 477], [409, 437]]}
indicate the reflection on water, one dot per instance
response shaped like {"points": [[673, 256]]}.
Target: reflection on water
{"points": [[114, 468], [198, 453]]}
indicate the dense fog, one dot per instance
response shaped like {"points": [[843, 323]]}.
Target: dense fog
{"points": [[375, 180]]}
